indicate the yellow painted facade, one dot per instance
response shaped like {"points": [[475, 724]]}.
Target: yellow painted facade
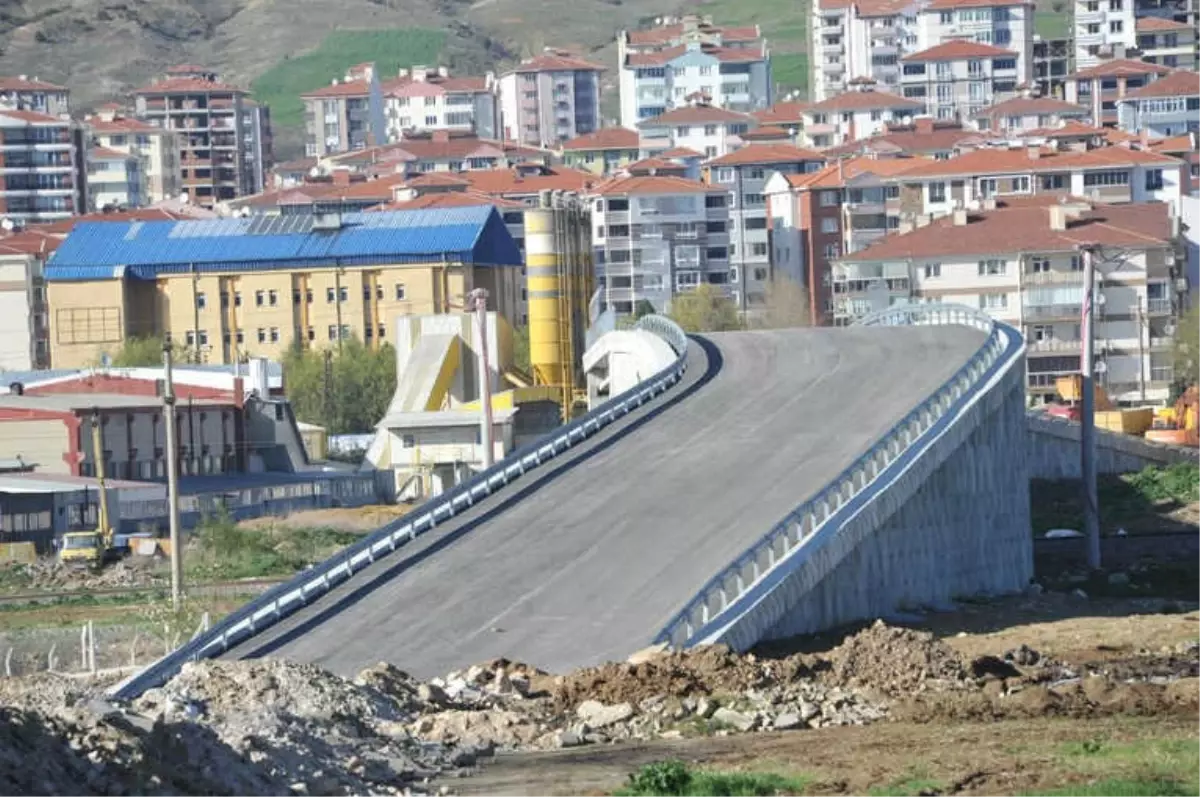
{"points": [[260, 313]]}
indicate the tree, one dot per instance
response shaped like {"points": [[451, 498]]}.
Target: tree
{"points": [[1187, 349], [786, 305], [349, 397], [643, 308], [704, 310], [145, 352], [520, 344]]}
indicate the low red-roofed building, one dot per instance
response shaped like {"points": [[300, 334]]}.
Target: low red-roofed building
{"points": [[1169, 106], [1022, 265], [1019, 114], [226, 151], [31, 94], [667, 66], [1101, 86], [704, 128], [603, 152], [925, 136], [1168, 42], [550, 99], [788, 115], [859, 113]]}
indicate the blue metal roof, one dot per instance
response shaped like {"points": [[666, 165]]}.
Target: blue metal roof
{"points": [[145, 249]]}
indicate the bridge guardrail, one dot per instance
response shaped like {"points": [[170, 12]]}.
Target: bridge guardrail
{"points": [[285, 599], [727, 586]]}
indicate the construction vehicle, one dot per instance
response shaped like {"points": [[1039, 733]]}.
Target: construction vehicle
{"points": [[92, 548], [1178, 424], [1175, 425]]}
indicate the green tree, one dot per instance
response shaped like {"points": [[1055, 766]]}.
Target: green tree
{"points": [[521, 349], [1187, 348], [348, 397], [705, 310], [786, 305], [145, 352]]}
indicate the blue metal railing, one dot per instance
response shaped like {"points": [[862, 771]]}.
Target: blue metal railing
{"points": [[695, 621], [285, 599]]}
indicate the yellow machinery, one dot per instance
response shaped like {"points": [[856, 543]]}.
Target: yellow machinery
{"points": [[1133, 421], [559, 282], [92, 548]]}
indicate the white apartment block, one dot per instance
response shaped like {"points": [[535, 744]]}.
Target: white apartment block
{"points": [[30, 94], [868, 40], [1022, 266], [24, 316], [1170, 106], [114, 180], [859, 113], [1103, 29], [958, 79], [705, 129], [671, 65], [655, 237], [428, 98], [1022, 114], [550, 99], [1168, 42], [156, 148]]}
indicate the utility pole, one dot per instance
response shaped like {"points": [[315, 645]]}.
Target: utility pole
{"points": [[337, 282], [1143, 326], [168, 399], [1087, 419], [478, 300]]}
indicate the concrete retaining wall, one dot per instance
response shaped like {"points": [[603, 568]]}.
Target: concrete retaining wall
{"points": [[1054, 450], [955, 522]]}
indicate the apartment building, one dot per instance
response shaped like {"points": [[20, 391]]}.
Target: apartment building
{"points": [[744, 174], [925, 136], [603, 152], [704, 128], [1170, 106], [435, 151], [114, 180], [817, 216], [24, 93], [156, 149], [663, 67], [550, 99], [958, 79], [867, 40], [1053, 60], [426, 98], [1022, 114], [346, 115], [44, 168], [220, 133], [656, 236], [1167, 42], [1104, 29], [859, 113], [788, 115], [1100, 87], [1023, 266], [236, 288], [24, 319]]}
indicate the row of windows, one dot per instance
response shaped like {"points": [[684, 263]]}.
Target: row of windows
{"points": [[271, 334], [270, 298]]}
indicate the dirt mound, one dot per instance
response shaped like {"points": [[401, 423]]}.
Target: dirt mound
{"points": [[895, 661], [711, 669]]}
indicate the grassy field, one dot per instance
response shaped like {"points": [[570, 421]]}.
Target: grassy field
{"points": [[281, 86], [784, 23], [1050, 24]]}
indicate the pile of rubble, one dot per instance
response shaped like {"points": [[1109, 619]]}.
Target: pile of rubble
{"points": [[270, 726], [47, 573]]}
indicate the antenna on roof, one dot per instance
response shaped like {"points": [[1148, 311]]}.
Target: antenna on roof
{"points": [[183, 197]]}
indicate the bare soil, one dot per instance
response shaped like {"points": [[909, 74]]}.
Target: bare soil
{"points": [[361, 518]]}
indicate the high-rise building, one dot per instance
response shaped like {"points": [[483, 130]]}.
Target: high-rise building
{"points": [[681, 60], [157, 148], [346, 115], [45, 172], [550, 99], [219, 129]]}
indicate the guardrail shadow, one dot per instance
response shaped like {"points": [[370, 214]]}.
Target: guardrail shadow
{"points": [[714, 362]]}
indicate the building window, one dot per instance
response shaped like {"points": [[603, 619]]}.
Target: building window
{"points": [[262, 335], [832, 251], [993, 301], [1053, 182], [260, 297], [937, 192], [829, 225], [758, 249], [400, 291], [272, 298], [274, 334], [202, 300], [1105, 178], [712, 227], [717, 253], [1040, 265], [992, 268], [829, 199], [1042, 332], [1154, 180], [330, 295], [237, 298], [333, 330], [933, 270], [1116, 26]]}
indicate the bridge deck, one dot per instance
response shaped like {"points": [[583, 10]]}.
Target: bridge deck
{"points": [[586, 560]]}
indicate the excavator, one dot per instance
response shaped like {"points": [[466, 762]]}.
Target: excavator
{"points": [[1178, 424], [92, 548]]}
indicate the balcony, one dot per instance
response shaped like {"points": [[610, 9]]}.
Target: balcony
{"points": [[884, 32], [1053, 346], [1054, 278], [823, 128], [833, 69], [831, 48], [1158, 306], [1053, 312]]}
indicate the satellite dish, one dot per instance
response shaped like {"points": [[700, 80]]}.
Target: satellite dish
{"points": [[1101, 299], [1169, 328], [314, 172], [7, 224], [183, 197], [1101, 367]]}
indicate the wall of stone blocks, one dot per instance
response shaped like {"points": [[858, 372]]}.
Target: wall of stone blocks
{"points": [[954, 523], [1054, 450]]}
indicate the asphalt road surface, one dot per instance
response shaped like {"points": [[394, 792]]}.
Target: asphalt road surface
{"points": [[586, 559]]}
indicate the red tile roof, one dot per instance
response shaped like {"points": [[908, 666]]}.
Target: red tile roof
{"points": [[1180, 83], [767, 153], [1071, 129], [959, 49], [767, 133], [438, 179], [726, 55], [451, 199], [1027, 229], [696, 114], [607, 138], [782, 113], [655, 165], [433, 84], [189, 85], [30, 242], [25, 84], [656, 184], [1176, 144], [835, 174], [946, 5], [1155, 24], [297, 165], [106, 154], [134, 214], [1031, 106], [939, 139], [556, 63], [506, 182], [1018, 161], [120, 124], [1120, 67], [680, 152], [349, 88], [665, 34], [864, 101], [33, 117]]}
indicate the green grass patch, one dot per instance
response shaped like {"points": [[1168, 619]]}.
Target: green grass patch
{"points": [[1120, 787], [790, 71], [784, 23], [1136, 502], [915, 783], [223, 551], [281, 86], [1052, 24], [676, 779]]}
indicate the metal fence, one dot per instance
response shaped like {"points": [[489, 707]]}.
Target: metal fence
{"points": [[693, 622], [284, 600]]}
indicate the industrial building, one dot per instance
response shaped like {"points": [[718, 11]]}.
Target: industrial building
{"points": [[231, 288]]}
